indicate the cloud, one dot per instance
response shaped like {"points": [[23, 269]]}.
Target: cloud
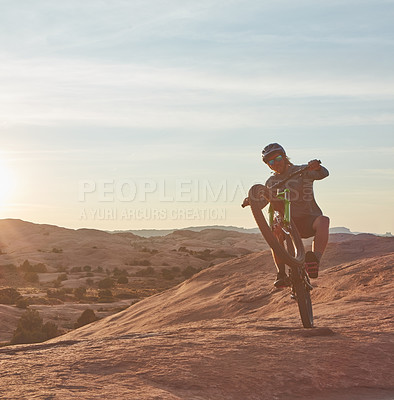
{"points": [[56, 91], [184, 65]]}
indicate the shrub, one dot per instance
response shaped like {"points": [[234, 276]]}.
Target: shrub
{"points": [[22, 303], [205, 255], [105, 296], [105, 293], [76, 269], [26, 266], [30, 329], [144, 263], [117, 272], [9, 296], [30, 271], [56, 283], [123, 280], [62, 277], [40, 268], [31, 277], [42, 300], [50, 330], [149, 271], [11, 268], [189, 271], [80, 292], [57, 294], [87, 317], [167, 274], [56, 250], [126, 295], [106, 283], [87, 268]]}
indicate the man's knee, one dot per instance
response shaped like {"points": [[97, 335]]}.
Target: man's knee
{"points": [[321, 223]]}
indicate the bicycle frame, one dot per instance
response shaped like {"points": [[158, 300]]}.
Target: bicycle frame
{"points": [[285, 197]]}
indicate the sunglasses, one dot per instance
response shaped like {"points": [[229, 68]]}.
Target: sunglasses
{"points": [[276, 159]]}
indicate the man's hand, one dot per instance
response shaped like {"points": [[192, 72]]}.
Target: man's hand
{"points": [[263, 197], [314, 165], [245, 203]]}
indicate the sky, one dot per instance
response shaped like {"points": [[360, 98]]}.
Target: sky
{"points": [[129, 114]]}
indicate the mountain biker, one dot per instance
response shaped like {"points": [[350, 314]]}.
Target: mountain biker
{"points": [[305, 212]]}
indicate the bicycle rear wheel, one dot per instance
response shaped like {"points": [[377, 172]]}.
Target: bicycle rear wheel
{"points": [[294, 253], [303, 297]]}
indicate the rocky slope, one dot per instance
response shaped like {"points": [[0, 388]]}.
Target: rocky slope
{"points": [[226, 334]]}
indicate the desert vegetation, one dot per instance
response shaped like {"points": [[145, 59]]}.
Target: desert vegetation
{"points": [[87, 317], [38, 285], [60, 273], [31, 329]]}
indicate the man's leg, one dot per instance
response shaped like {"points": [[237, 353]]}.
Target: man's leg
{"points": [[280, 265], [320, 225], [281, 278]]}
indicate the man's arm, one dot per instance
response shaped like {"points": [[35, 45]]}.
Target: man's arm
{"points": [[316, 171]]}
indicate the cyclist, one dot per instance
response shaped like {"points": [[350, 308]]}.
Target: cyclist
{"points": [[305, 212]]}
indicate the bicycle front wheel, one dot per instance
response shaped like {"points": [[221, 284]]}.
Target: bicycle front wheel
{"points": [[289, 248], [303, 297]]}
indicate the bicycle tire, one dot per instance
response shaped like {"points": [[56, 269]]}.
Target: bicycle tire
{"points": [[294, 257], [303, 297]]}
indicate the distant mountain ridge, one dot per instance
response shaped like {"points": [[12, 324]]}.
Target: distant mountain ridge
{"points": [[164, 232]]}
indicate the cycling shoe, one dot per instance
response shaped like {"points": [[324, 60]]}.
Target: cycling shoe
{"points": [[311, 264]]}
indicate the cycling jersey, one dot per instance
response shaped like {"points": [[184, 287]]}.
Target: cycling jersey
{"points": [[302, 199]]}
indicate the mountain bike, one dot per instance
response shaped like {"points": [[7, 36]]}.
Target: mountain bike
{"points": [[282, 236]]}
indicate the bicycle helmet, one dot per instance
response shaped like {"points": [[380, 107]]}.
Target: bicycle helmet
{"points": [[272, 148]]}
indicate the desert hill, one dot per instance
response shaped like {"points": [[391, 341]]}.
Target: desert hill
{"points": [[61, 247], [81, 259], [226, 334]]}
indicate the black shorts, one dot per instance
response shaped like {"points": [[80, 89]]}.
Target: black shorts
{"points": [[305, 225]]}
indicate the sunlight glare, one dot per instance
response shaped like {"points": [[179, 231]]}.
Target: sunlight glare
{"points": [[6, 183]]}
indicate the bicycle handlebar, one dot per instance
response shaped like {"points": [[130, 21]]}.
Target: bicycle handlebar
{"points": [[275, 185], [298, 172]]}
